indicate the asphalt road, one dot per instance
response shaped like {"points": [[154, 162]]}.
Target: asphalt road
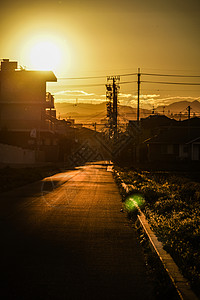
{"points": [[65, 238]]}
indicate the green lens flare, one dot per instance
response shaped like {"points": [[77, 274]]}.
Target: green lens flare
{"points": [[133, 201]]}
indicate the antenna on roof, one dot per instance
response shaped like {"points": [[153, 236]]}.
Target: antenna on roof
{"points": [[22, 68]]}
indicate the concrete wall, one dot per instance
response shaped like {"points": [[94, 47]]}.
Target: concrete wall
{"points": [[21, 116], [196, 152], [16, 155], [23, 87]]}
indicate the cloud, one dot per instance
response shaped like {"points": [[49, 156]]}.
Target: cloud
{"points": [[131, 99], [73, 93], [125, 95], [186, 98]]}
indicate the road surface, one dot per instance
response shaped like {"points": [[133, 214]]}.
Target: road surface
{"points": [[65, 238]]}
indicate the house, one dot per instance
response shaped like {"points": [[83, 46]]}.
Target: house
{"points": [[23, 97], [175, 144], [27, 113]]}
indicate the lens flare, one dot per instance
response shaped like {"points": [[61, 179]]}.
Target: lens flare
{"points": [[133, 202]]}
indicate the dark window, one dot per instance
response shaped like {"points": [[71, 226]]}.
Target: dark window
{"points": [[185, 149], [163, 149], [176, 149]]}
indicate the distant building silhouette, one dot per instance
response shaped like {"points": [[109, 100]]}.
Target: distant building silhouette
{"points": [[163, 140], [170, 140], [175, 144]]}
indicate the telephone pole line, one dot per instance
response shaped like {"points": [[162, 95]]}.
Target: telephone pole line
{"points": [[112, 111], [138, 103], [189, 110]]}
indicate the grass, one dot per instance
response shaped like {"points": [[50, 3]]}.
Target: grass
{"points": [[172, 207]]}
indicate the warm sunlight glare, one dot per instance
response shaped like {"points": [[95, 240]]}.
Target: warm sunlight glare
{"points": [[45, 55]]}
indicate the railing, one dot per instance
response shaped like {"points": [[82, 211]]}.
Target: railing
{"points": [[49, 100]]}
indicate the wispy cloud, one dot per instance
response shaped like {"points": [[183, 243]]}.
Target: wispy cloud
{"points": [[175, 98], [125, 95], [146, 100], [73, 93]]}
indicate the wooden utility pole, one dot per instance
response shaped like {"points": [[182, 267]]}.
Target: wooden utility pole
{"points": [[114, 109], [138, 119], [138, 103], [189, 110]]}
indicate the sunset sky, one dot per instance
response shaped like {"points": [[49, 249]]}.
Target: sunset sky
{"points": [[99, 38]]}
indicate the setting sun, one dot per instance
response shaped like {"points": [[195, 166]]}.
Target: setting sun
{"points": [[45, 56]]}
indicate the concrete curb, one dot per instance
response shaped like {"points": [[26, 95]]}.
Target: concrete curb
{"points": [[181, 284]]}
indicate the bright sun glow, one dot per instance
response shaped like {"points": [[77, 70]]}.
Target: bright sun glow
{"points": [[45, 55]]}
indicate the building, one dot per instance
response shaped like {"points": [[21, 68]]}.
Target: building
{"points": [[23, 99], [27, 113], [175, 144]]}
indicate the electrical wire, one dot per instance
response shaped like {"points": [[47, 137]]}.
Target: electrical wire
{"points": [[129, 74], [164, 82], [84, 85], [134, 81], [79, 78], [171, 75], [126, 82], [94, 77], [98, 84]]}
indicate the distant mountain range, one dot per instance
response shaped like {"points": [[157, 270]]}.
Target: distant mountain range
{"points": [[85, 112], [88, 113], [180, 106]]}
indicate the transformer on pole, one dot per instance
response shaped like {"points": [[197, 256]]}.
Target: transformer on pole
{"points": [[112, 88]]}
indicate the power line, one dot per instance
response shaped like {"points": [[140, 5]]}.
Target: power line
{"points": [[93, 77], [126, 82], [129, 74], [159, 90], [85, 77], [164, 82], [171, 75], [133, 81], [98, 84], [84, 85]]}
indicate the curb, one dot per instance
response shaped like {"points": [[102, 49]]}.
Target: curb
{"points": [[180, 283]]}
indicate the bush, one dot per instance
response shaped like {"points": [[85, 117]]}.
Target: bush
{"points": [[172, 206]]}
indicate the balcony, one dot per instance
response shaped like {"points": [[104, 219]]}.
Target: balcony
{"points": [[49, 100]]}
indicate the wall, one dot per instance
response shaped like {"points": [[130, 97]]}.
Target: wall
{"points": [[16, 155], [23, 99], [22, 87], [196, 152]]}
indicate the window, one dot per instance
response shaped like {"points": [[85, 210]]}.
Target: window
{"points": [[185, 149], [170, 149]]}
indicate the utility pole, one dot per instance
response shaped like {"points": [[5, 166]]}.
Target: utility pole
{"points": [[189, 110], [138, 104], [114, 110], [111, 95], [138, 118]]}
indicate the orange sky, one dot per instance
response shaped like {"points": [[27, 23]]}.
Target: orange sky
{"points": [[108, 37]]}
